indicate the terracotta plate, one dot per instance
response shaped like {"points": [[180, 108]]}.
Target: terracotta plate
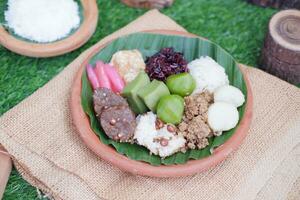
{"points": [[74, 41], [109, 154]]}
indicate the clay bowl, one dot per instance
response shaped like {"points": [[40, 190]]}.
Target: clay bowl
{"points": [[74, 41], [109, 154]]}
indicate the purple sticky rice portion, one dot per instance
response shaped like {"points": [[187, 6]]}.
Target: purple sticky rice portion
{"points": [[165, 63]]}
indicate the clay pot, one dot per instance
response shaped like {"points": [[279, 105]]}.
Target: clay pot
{"points": [[109, 154], [158, 4]]}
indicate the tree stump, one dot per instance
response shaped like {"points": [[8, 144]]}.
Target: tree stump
{"points": [[283, 4], [159, 4], [281, 51]]}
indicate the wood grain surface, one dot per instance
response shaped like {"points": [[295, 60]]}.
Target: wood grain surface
{"points": [[281, 51], [158, 4], [283, 4]]}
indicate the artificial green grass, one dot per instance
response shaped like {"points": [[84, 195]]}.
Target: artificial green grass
{"points": [[235, 25]]}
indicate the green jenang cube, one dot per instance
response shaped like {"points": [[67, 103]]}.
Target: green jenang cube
{"points": [[130, 93], [152, 93]]}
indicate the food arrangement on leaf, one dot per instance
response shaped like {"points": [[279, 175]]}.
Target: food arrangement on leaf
{"points": [[163, 103]]}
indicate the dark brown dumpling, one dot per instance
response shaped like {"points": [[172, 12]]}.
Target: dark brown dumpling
{"points": [[105, 98], [118, 122]]}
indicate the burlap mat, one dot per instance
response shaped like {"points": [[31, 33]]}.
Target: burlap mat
{"points": [[47, 151]]}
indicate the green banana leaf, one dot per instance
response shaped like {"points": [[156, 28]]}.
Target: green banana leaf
{"points": [[148, 44]]}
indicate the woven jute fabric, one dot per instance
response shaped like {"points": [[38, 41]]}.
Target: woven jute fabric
{"points": [[48, 152]]}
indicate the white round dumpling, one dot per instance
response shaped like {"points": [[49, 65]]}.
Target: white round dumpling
{"points": [[229, 94], [222, 116]]}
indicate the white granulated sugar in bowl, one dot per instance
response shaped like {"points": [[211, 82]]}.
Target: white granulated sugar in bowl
{"points": [[42, 20]]}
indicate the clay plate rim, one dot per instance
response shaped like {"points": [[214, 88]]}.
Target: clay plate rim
{"points": [[109, 154], [74, 41]]}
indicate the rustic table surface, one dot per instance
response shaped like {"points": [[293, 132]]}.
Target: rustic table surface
{"points": [[217, 20]]}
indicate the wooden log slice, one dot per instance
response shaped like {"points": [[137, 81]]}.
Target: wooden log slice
{"points": [[277, 3], [279, 68], [148, 3], [281, 51]]}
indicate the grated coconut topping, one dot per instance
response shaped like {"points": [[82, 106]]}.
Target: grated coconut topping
{"points": [[42, 20]]}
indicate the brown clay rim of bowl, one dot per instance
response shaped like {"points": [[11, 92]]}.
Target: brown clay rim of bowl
{"points": [[109, 154], [74, 41]]}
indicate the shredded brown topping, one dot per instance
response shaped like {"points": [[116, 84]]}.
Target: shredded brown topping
{"points": [[194, 126]]}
